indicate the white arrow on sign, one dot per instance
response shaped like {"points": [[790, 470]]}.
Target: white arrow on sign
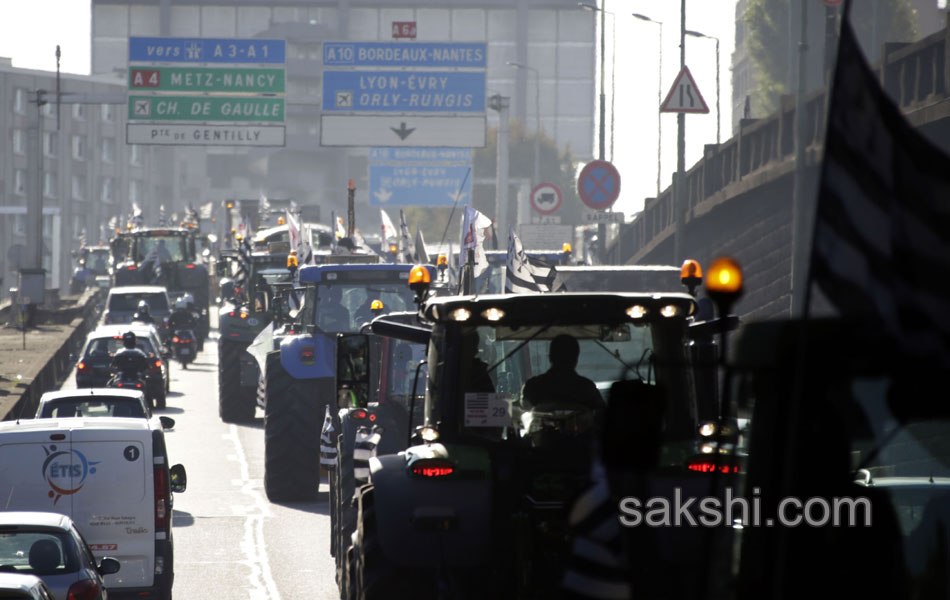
{"points": [[684, 96], [383, 195]]}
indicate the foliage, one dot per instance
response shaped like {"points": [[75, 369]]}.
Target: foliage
{"points": [[768, 23]]}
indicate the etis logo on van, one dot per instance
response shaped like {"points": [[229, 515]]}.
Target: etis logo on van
{"points": [[65, 471]]}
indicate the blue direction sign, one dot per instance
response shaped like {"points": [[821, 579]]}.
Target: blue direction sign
{"points": [[206, 50], [419, 184], [401, 54], [404, 91]]}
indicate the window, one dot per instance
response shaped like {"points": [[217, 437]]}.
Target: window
{"points": [[134, 190], [49, 109], [79, 187], [19, 182], [79, 147], [19, 141], [50, 143], [19, 224], [47, 225], [19, 101], [49, 185], [107, 113], [79, 112], [106, 195], [135, 155], [108, 149]]}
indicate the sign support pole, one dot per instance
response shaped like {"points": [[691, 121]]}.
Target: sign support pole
{"points": [[679, 189], [501, 103]]}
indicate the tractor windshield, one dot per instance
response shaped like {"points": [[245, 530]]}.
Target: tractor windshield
{"points": [[344, 307], [167, 248]]}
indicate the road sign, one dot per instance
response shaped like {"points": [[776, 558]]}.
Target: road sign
{"points": [[402, 130], [404, 30], [206, 50], [419, 185], [598, 185], [459, 156], [200, 79], [400, 54], [205, 108], [684, 96], [404, 91], [178, 134], [546, 198], [599, 216]]}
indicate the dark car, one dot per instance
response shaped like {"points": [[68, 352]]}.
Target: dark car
{"points": [[95, 363], [49, 546]]}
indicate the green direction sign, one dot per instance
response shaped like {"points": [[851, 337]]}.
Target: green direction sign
{"points": [[205, 108], [197, 79]]}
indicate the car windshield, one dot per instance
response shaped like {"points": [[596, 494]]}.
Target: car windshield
{"points": [[37, 552], [102, 406], [157, 302], [168, 248], [108, 346], [344, 307]]}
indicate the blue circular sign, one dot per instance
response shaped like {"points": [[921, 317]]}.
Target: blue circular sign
{"points": [[599, 185]]}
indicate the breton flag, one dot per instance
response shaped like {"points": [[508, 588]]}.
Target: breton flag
{"points": [[405, 239], [328, 437], [881, 246], [528, 274]]}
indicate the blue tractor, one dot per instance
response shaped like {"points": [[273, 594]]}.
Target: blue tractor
{"points": [[300, 372]]}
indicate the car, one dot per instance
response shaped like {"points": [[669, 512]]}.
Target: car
{"points": [[49, 546], [29, 587], [123, 301], [95, 362], [113, 478], [98, 402]]}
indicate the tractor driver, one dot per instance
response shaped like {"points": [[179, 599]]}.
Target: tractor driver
{"points": [[561, 384], [332, 315]]}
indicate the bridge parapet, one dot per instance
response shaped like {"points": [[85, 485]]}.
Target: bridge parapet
{"points": [[915, 76]]}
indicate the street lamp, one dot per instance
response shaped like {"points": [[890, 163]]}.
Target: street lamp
{"points": [[603, 102], [712, 37], [537, 116], [659, 98]]}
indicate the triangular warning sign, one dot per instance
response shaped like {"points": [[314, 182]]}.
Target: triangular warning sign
{"points": [[684, 96]]}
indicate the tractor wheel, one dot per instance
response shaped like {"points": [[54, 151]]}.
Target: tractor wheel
{"points": [[332, 484], [292, 423], [375, 576], [236, 404]]}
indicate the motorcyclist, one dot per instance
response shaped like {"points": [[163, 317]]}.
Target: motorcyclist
{"points": [[182, 317], [130, 362], [142, 314]]}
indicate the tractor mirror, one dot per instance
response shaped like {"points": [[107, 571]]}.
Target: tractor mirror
{"points": [[352, 370]]}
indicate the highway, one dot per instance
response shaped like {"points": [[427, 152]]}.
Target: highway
{"points": [[230, 541]]}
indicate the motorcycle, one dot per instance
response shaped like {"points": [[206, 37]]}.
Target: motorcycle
{"points": [[184, 346], [127, 381]]}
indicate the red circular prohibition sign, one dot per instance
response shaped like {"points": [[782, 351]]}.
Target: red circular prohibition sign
{"points": [[599, 185]]}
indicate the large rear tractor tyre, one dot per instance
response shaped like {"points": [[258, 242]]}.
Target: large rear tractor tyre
{"points": [[346, 486], [376, 577], [236, 403], [292, 423]]}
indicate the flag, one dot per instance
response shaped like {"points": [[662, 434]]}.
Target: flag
{"points": [[526, 273], [405, 239], [263, 207], [389, 230], [328, 437], [364, 448], [340, 229], [206, 210], [421, 255], [881, 246], [162, 218], [474, 225], [82, 238], [154, 262]]}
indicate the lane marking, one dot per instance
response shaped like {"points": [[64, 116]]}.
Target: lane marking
{"points": [[253, 545]]}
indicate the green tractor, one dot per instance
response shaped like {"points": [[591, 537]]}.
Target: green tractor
{"points": [[246, 309]]}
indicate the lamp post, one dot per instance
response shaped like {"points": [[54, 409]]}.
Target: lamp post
{"points": [[712, 37], [537, 117], [659, 101]]}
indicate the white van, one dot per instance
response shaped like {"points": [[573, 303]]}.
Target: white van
{"points": [[111, 476]]}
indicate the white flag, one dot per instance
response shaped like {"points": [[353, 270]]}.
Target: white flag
{"points": [[389, 230], [474, 225], [340, 229]]}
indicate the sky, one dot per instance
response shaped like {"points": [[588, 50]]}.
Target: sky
{"points": [[29, 36]]}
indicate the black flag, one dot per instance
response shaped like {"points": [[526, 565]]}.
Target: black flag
{"points": [[882, 229]]}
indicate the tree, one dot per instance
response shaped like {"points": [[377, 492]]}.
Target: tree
{"points": [[773, 43]]}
